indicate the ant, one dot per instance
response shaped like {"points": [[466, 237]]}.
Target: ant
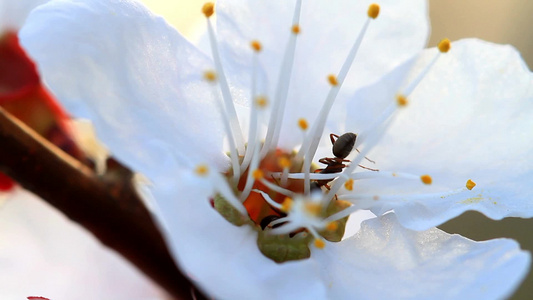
{"points": [[342, 147]]}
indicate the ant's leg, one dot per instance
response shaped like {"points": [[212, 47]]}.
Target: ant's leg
{"points": [[375, 170], [365, 157], [331, 137], [326, 160]]}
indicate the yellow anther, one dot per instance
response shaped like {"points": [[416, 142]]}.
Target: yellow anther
{"points": [[373, 10], [261, 101], [202, 170], [210, 76], [401, 100], [295, 29], [256, 45], [332, 226], [313, 209], [426, 179], [286, 205], [258, 174], [284, 162], [348, 185], [302, 123], [445, 45], [470, 184], [319, 243], [332, 79], [208, 9]]}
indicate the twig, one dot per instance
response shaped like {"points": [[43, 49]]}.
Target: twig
{"points": [[107, 206]]}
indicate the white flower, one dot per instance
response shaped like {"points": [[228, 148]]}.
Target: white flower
{"points": [[143, 86]]}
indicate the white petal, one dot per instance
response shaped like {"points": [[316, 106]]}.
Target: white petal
{"points": [[328, 32], [222, 258], [13, 13], [42, 253], [386, 261], [470, 118], [134, 76]]}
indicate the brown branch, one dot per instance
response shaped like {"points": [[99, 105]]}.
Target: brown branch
{"points": [[107, 206]]}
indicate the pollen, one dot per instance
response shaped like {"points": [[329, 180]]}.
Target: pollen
{"points": [[258, 174], [202, 170], [470, 184], [295, 29], [284, 162], [208, 9], [332, 226], [302, 123], [332, 79], [426, 179], [313, 208], [256, 45], [373, 10], [348, 185], [319, 243], [210, 76], [261, 101], [445, 45], [286, 205], [401, 100]]}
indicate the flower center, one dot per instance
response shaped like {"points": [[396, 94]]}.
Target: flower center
{"points": [[286, 220], [279, 192]]}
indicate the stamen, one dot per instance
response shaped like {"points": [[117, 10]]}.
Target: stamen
{"points": [[310, 144], [210, 76], [426, 179], [314, 209], [256, 45], [444, 46], [355, 175], [261, 102], [295, 29], [401, 100], [332, 226], [277, 188], [364, 201], [373, 11], [348, 185], [332, 79], [269, 200], [287, 204], [319, 243], [285, 164], [236, 132], [302, 123], [255, 158], [202, 170], [222, 187], [258, 174], [278, 107], [208, 9], [470, 184], [234, 155]]}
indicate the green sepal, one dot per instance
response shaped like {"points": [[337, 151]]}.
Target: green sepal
{"points": [[229, 212], [282, 248]]}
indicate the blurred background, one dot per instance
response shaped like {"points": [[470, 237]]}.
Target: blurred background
{"points": [[499, 21]]}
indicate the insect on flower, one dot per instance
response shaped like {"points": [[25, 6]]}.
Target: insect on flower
{"points": [[342, 147]]}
